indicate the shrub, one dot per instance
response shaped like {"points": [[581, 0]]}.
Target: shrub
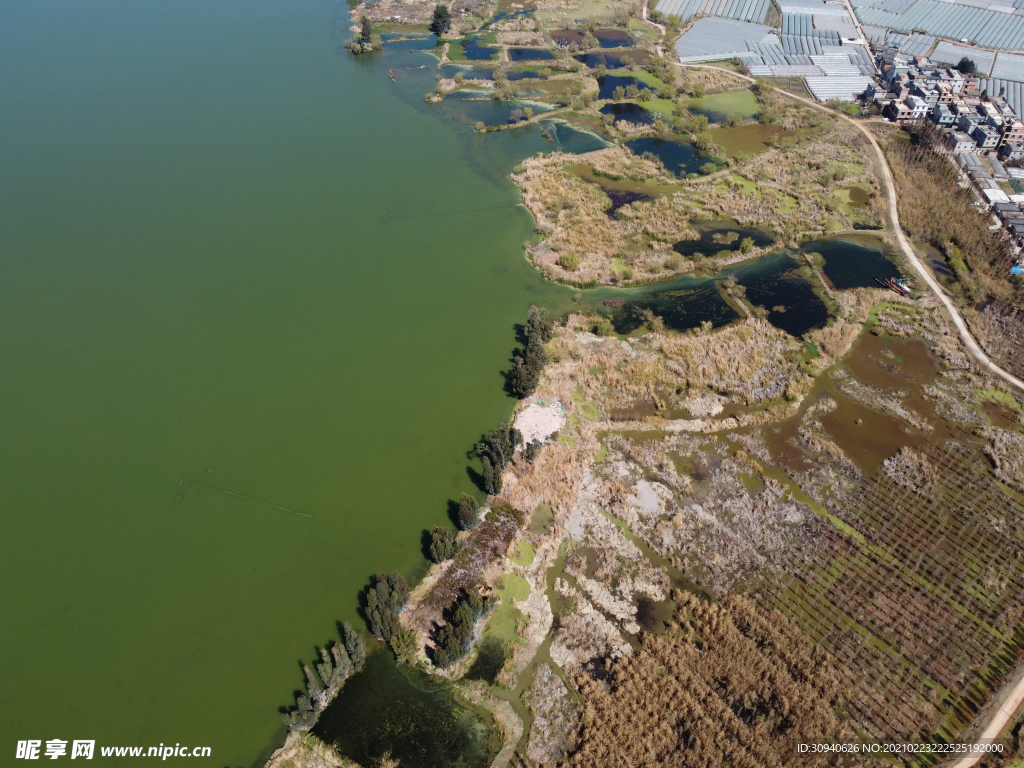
{"points": [[404, 644], [733, 118], [697, 90], [708, 168], [660, 127], [442, 544], [702, 141], [569, 261]]}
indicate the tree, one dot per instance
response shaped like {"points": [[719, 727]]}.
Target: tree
{"points": [[404, 644], [384, 602], [733, 118], [492, 477], [632, 91], [539, 324], [702, 141], [442, 544], [355, 646], [619, 93], [966, 66], [499, 444], [441, 21], [469, 512], [455, 638], [366, 30], [697, 90], [699, 123], [708, 168], [746, 245]]}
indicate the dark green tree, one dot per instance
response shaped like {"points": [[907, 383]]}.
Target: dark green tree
{"points": [[527, 367], [355, 646], [500, 444], [365, 30], [442, 544], [455, 638], [469, 512], [966, 66], [539, 324], [384, 602], [442, 20], [492, 477]]}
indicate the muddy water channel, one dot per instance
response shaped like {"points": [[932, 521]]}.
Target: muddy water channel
{"points": [[900, 369]]}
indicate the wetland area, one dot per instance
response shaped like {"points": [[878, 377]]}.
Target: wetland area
{"points": [[225, 295]]}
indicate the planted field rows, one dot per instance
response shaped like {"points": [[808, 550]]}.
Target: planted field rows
{"points": [[924, 615]]}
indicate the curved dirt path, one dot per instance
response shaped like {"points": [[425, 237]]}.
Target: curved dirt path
{"points": [[908, 251]]}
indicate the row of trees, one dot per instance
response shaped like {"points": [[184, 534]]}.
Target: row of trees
{"points": [[528, 362], [338, 662]]}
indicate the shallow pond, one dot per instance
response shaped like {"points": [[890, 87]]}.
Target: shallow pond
{"points": [[718, 106], [745, 139], [614, 38], [721, 234], [412, 715], [630, 112], [678, 156], [623, 59], [529, 54], [853, 261], [472, 49], [567, 37], [855, 197], [607, 85], [775, 282]]}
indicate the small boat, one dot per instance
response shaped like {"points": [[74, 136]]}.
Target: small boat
{"points": [[893, 285]]}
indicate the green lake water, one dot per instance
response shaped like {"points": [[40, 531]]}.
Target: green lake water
{"points": [[225, 243]]}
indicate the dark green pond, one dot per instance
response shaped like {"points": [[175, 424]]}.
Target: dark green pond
{"points": [[413, 716], [678, 156], [720, 235], [853, 261]]}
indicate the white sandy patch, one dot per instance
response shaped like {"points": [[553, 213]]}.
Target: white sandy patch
{"points": [[538, 421], [704, 407], [650, 497]]}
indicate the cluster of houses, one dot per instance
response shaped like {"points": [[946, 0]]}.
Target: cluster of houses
{"points": [[912, 89], [976, 126]]}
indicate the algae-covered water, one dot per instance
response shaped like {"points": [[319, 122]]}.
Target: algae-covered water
{"points": [[227, 244]]}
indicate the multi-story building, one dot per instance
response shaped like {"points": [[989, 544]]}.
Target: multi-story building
{"points": [[986, 137]]}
